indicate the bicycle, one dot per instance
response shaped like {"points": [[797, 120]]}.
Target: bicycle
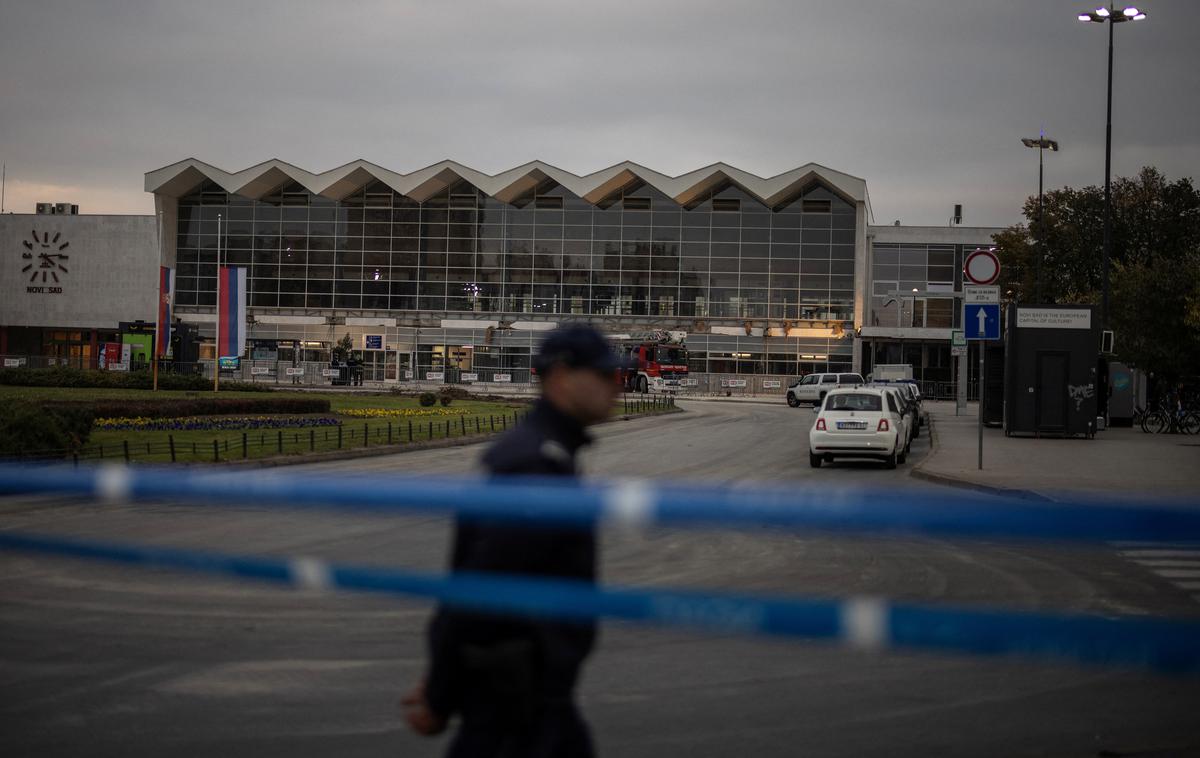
{"points": [[1166, 420]]}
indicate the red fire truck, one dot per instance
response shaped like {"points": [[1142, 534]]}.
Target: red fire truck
{"points": [[658, 362]]}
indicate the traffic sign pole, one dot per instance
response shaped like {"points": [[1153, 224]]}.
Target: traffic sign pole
{"points": [[958, 349], [982, 394], [981, 323]]}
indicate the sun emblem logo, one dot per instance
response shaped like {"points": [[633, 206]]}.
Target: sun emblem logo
{"points": [[47, 254]]}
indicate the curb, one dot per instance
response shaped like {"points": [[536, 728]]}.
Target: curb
{"points": [[751, 401], [918, 472]]}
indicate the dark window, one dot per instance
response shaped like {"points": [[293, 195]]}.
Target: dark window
{"points": [[817, 206], [726, 204], [548, 201], [636, 203], [854, 402]]}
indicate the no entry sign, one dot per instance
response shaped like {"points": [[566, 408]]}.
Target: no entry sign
{"points": [[981, 267]]}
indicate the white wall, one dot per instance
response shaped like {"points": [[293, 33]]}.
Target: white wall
{"points": [[111, 270]]}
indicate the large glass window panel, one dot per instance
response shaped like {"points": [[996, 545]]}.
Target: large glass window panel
{"points": [[785, 235], [724, 264], [816, 221], [664, 263], [695, 234], [941, 257], [726, 235], [785, 220], [635, 262], [756, 236]]}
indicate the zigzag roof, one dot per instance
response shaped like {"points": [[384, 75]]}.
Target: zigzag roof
{"points": [[179, 178]]}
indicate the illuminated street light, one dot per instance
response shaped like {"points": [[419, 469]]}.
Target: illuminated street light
{"points": [[1099, 16]]}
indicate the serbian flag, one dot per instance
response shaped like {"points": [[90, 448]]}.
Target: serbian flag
{"points": [[231, 299], [166, 296]]}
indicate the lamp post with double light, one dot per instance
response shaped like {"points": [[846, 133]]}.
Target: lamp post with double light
{"points": [[1112, 17], [1041, 143]]}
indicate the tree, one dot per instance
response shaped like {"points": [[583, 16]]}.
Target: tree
{"points": [[1155, 269], [343, 347]]}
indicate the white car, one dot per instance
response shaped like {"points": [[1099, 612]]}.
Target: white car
{"points": [[863, 422], [813, 387]]}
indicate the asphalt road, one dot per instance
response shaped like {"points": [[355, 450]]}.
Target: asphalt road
{"points": [[111, 661]]}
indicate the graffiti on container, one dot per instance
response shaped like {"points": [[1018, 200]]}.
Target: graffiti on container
{"points": [[1080, 392]]}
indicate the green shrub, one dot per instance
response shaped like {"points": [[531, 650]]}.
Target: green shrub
{"points": [[445, 399], [73, 377], [198, 406], [27, 428], [428, 399]]}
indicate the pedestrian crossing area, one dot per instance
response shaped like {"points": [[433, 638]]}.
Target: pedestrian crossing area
{"points": [[1177, 563]]}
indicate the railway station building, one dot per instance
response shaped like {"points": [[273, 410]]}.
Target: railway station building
{"points": [[450, 271]]}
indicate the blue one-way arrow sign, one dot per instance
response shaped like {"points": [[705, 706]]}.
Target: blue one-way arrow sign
{"points": [[981, 321]]}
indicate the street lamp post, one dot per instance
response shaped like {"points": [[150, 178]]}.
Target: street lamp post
{"points": [[1041, 143], [1112, 17]]}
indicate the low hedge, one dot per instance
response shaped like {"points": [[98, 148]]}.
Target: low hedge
{"points": [[200, 406], [133, 380], [26, 427]]}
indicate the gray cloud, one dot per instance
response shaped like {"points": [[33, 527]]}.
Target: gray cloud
{"points": [[925, 99]]}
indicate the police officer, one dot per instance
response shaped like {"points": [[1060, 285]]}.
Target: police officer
{"points": [[512, 679]]}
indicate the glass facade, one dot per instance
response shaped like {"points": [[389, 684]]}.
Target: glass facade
{"points": [[637, 253], [899, 268]]}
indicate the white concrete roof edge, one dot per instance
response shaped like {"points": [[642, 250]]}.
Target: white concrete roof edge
{"points": [[765, 189]]}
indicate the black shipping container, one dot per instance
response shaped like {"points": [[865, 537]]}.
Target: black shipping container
{"points": [[1051, 384]]}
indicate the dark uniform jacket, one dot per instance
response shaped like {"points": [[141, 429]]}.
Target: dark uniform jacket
{"points": [[512, 670]]}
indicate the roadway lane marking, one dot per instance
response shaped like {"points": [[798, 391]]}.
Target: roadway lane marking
{"points": [[1136, 554], [1169, 562], [1176, 563], [1179, 573]]}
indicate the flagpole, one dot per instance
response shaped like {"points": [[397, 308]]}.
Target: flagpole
{"points": [[217, 334], [157, 312]]}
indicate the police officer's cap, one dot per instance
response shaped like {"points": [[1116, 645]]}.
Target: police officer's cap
{"points": [[576, 346]]}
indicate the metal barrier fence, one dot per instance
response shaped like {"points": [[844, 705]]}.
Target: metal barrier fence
{"points": [[310, 374], [309, 435], [1169, 645]]}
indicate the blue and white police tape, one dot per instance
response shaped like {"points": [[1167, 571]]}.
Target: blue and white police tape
{"points": [[868, 623], [795, 506]]}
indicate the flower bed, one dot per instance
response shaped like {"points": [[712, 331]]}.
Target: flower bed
{"points": [[211, 423], [400, 412]]}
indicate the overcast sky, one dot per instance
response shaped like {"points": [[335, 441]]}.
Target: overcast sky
{"points": [[925, 99]]}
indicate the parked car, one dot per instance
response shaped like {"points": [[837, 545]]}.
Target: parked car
{"points": [[863, 422], [814, 387], [908, 409], [913, 393]]}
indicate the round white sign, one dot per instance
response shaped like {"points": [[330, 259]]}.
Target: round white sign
{"points": [[982, 267]]}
